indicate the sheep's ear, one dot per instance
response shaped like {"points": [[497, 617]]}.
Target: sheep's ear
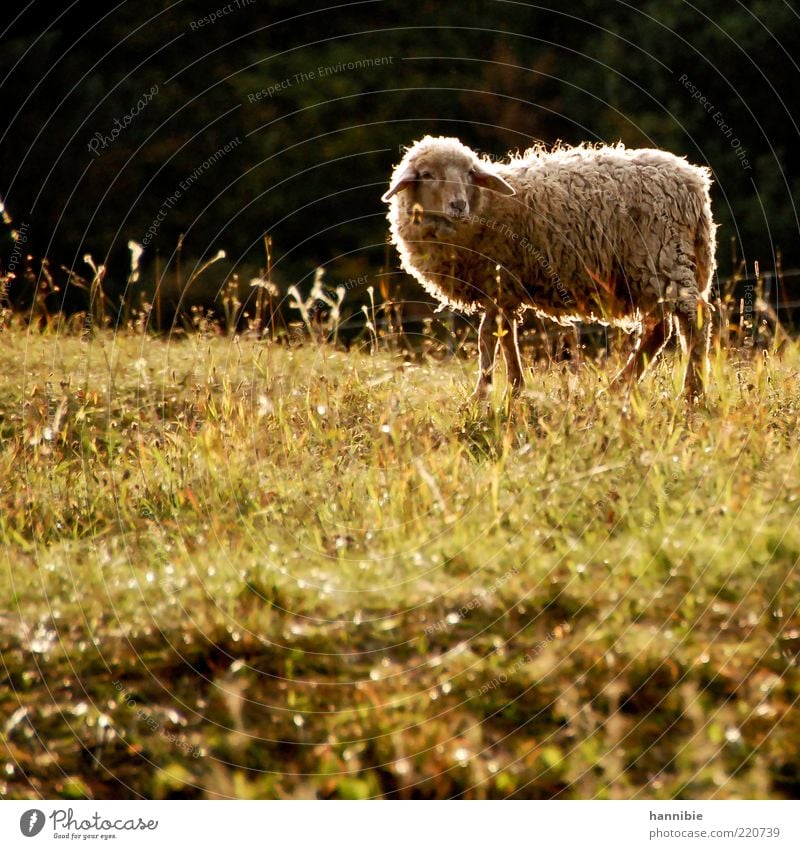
{"points": [[488, 180], [402, 181]]}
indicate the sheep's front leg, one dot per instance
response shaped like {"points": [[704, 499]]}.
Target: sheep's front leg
{"points": [[487, 350], [510, 343]]}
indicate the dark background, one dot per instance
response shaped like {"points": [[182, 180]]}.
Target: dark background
{"points": [[316, 156]]}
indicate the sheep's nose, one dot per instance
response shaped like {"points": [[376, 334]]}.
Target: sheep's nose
{"points": [[458, 205]]}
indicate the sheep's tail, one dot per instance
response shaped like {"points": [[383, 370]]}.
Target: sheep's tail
{"points": [[699, 343], [705, 246]]}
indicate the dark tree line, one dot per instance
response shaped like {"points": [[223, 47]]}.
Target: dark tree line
{"points": [[222, 122]]}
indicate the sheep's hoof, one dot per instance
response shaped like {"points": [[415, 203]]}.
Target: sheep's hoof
{"points": [[695, 396], [480, 399], [611, 387], [624, 380], [482, 391]]}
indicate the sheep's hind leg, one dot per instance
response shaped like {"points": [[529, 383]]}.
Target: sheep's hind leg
{"points": [[487, 351], [695, 343], [510, 343], [651, 340]]}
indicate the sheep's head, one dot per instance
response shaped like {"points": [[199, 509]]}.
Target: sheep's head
{"points": [[439, 184]]}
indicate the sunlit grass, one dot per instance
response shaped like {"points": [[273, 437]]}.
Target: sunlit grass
{"points": [[237, 569]]}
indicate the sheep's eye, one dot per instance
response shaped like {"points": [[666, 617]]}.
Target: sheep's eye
{"points": [[426, 175]]}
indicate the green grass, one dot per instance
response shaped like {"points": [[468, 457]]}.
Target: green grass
{"points": [[230, 569]]}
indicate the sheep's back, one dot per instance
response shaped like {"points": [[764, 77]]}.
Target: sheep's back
{"points": [[591, 233], [610, 226]]}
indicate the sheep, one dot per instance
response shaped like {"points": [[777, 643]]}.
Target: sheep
{"points": [[623, 237]]}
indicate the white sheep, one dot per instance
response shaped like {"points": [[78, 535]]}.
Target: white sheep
{"points": [[588, 233]]}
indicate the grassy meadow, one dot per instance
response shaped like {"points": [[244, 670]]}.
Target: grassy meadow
{"points": [[232, 568]]}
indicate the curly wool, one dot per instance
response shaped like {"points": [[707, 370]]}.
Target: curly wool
{"points": [[593, 233]]}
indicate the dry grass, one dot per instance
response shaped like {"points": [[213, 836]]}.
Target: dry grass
{"points": [[233, 569]]}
